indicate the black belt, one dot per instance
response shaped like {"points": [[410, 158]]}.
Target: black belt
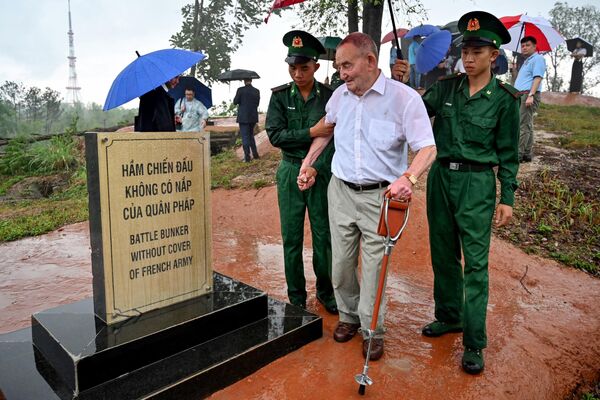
{"points": [[293, 160], [464, 166], [370, 186]]}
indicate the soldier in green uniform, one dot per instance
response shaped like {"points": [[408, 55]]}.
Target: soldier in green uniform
{"points": [[294, 110], [476, 128]]}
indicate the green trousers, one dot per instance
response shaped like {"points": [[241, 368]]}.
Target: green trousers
{"points": [[293, 204], [460, 207]]}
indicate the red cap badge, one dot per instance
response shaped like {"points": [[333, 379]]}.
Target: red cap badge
{"points": [[473, 25], [297, 42]]}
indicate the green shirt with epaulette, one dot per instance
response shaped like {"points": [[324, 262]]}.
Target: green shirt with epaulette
{"points": [[289, 119], [481, 129]]}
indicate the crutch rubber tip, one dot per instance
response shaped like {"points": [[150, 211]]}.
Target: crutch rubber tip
{"points": [[361, 389]]}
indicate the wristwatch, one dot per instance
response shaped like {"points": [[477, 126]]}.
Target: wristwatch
{"points": [[413, 179], [530, 95]]}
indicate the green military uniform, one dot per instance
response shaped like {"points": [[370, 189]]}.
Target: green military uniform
{"points": [[336, 81], [472, 134], [289, 118]]}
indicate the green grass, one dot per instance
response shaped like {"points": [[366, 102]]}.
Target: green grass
{"points": [[578, 123], [23, 218]]}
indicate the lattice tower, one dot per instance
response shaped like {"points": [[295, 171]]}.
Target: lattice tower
{"points": [[73, 89]]}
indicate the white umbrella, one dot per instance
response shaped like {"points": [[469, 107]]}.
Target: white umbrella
{"points": [[540, 28]]}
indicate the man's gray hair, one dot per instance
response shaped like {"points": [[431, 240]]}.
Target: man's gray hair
{"points": [[363, 42]]}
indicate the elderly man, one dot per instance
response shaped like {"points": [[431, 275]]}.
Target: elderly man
{"points": [[375, 120]]}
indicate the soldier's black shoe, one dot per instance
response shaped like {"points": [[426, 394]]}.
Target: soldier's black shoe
{"points": [[329, 305], [472, 361], [438, 328]]}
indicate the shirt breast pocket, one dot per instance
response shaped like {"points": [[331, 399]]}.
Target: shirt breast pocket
{"points": [[480, 130], [382, 133]]}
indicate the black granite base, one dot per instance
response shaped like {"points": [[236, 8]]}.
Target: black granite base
{"points": [[194, 370]]}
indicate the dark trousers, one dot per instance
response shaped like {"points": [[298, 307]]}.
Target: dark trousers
{"points": [[248, 143], [460, 206], [292, 209]]}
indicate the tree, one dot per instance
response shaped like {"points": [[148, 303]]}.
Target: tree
{"points": [[340, 17], [216, 28], [51, 108], [571, 22], [12, 93]]}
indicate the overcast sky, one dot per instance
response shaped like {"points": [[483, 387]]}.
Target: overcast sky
{"points": [[34, 42]]}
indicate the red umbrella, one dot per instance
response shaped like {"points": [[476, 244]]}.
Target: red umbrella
{"points": [[390, 35], [280, 4], [523, 25]]}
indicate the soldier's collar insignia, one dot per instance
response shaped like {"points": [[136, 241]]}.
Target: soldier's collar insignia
{"points": [[473, 25], [297, 42]]}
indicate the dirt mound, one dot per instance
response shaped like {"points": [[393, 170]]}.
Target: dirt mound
{"points": [[569, 99]]}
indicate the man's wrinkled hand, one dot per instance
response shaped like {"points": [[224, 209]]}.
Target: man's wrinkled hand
{"points": [[306, 178], [401, 71], [401, 189], [321, 129]]}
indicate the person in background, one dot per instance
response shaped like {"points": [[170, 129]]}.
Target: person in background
{"points": [[577, 69], [247, 99], [190, 113], [529, 83], [156, 110]]}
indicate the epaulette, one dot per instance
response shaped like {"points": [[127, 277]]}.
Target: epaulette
{"points": [[282, 87], [453, 76], [510, 89], [325, 85]]}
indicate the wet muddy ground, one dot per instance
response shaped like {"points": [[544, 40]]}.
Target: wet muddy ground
{"points": [[542, 343]]}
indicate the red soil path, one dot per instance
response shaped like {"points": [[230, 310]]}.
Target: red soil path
{"points": [[542, 345]]}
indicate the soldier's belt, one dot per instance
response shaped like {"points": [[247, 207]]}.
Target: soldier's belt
{"points": [[370, 186], [293, 160], [464, 166]]}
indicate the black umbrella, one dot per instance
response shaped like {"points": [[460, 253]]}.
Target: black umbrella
{"points": [[201, 91], [572, 45], [237, 75]]}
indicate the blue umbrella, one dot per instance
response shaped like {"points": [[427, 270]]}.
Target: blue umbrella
{"points": [[147, 72], [433, 50], [201, 91], [421, 30]]}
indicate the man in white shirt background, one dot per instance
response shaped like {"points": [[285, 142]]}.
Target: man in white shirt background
{"points": [[190, 113], [375, 119]]}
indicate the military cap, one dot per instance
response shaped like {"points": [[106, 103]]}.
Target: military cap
{"points": [[480, 28], [302, 47]]}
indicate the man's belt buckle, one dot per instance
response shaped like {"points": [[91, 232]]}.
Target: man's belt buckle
{"points": [[454, 166]]}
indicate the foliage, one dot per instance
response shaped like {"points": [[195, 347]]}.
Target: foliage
{"points": [[55, 155], [550, 211], [332, 17], [216, 28], [227, 169], [225, 109], [32, 112], [581, 124], [572, 22]]}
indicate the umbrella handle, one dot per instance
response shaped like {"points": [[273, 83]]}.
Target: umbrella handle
{"points": [[398, 51]]}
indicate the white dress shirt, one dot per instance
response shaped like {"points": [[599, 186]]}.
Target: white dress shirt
{"points": [[372, 131]]}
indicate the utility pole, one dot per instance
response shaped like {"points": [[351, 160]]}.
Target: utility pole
{"points": [[72, 87]]}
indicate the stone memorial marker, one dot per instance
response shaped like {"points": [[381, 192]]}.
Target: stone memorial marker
{"points": [[150, 221]]}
